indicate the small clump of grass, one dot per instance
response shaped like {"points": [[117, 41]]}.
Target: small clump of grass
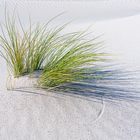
{"points": [[71, 60], [25, 50]]}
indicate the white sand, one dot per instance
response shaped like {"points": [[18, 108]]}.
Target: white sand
{"points": [[28, 116], [39, 115]]}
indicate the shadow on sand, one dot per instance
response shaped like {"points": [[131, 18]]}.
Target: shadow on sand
{"points": [[111, 85]]}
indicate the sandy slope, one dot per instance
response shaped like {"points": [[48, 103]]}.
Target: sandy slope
{"points": [[28, 116]]}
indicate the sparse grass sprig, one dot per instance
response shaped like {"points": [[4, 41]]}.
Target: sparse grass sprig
{"points": [[14, 47]]}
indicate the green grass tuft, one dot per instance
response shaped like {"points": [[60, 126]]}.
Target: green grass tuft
{"points": [[70, 60], [63, 59], [25, 50]]}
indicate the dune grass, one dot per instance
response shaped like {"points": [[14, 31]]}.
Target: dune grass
{"points": [[40, 40], [62, 58], [24, 49], [13, 46], [70, 60]]}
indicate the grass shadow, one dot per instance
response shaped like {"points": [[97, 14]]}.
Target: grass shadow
{"points": [[111, 85]]}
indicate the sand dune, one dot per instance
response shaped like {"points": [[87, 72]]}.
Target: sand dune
{"points": [[32, 114]]}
